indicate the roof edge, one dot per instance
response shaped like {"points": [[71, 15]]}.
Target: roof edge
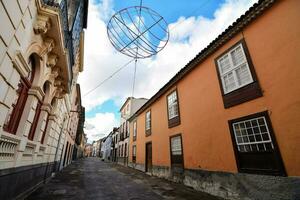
{"points": [[244, 20]]}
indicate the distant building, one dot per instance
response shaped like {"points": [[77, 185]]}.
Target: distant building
{"points": [[96, 148], [130, 106], [114, 144], [88, 149], [106, 148], [228, 122]]}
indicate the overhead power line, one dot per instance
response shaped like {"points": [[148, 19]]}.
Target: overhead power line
{"points": [[102, 82]]}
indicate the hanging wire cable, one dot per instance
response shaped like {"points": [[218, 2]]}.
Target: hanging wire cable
{"points": [[102, 82], [135, 63], [134, 77]]}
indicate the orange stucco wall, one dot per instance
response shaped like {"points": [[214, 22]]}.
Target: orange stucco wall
{"points": [[273, 40]]}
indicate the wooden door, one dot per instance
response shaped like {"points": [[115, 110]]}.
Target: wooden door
{"points": [[149, 157]]}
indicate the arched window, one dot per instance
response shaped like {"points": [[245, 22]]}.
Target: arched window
{"points": [[14, 116], [37, 115]]}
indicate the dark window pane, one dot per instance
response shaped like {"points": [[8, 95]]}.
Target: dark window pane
{"points": [[256, 130], [239, 139], [254, 123], [238, 133], [263, 128], [248, 124], [242, 125], [236, 127], [254, 147], [261, 147], [245, 139], [261, 121], [269, 146], [258, 138], [265, 136], [242, 148], [251, 138], [244, 132], [247, 147], [250, 131]]}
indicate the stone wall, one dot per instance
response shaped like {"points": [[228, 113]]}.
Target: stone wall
{"points": [[233, 186], [137, 166], [28, 177]]}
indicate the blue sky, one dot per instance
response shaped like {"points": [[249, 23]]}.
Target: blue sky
{"points": [[107, 106], [192, 24], [171, 11]]}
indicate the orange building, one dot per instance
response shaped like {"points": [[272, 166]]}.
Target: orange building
{"points": [[228, 123]]}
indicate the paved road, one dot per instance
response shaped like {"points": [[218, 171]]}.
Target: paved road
{"points": [[91, 178]]}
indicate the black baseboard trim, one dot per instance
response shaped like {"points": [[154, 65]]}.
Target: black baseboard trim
{"points": [[19, 182]]}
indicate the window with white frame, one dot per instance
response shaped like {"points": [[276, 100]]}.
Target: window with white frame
{"points": [[134, 129], [128, 128], [148, 120], [172, 105], [176, 145], [133, 153], [253, 135], [234, 69], [134, 150]]}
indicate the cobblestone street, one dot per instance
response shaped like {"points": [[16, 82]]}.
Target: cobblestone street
{"points": [[91, 178]]}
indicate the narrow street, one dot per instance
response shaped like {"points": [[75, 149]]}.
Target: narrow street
{"points": [[92, 178]]}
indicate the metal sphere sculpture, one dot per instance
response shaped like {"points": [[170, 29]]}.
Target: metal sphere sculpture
{"points": [[138, 32]]}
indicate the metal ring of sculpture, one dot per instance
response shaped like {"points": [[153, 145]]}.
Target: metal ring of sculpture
{"points": [[138, 32]]}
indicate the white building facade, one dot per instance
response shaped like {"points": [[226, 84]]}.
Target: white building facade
{"points": [[40, 59], [130, 106]]}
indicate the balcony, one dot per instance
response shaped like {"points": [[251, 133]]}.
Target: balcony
{"points": [[52, 24]]}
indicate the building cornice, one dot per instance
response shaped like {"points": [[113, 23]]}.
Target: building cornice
{"points": [[50, 26]]}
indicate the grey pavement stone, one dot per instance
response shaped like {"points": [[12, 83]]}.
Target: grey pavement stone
{"points": [[91, 178]]}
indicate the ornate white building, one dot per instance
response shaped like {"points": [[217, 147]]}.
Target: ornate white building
{"points": [[41, 55]]}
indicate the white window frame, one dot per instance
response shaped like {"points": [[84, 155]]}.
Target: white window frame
{"points": [[148, 120], [128, 128], [233, 69], [177, 149], [134, 150], [243, 133], [172, 106], [134, 129]]}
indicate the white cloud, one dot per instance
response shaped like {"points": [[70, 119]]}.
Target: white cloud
{"points": [[188, 36], [100, 125]]}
